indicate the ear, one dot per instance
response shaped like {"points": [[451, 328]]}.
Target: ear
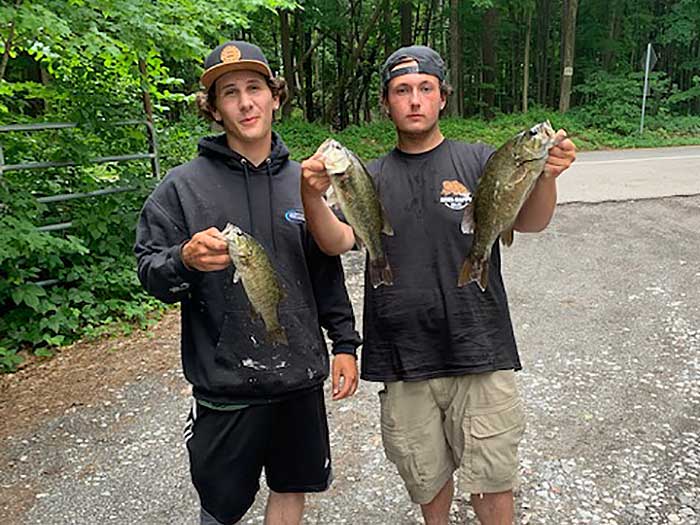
{"points": [[385, 107]]}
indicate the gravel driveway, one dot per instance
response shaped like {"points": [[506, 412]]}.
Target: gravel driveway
{"points": [[606, 308]]}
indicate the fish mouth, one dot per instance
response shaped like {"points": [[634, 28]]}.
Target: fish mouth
{"points": [[231, 231], [335, 157]]}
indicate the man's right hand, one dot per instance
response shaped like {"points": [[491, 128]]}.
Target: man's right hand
{"points": [[314, 179], [206, 251], [331, 235]]}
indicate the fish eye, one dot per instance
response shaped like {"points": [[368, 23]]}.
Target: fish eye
{"points": [[533, 132]]}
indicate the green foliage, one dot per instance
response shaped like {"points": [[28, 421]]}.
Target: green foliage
{"points": [[613, 102], [92, 261]]}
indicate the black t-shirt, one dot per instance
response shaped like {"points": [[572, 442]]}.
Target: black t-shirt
{"points": [[425, 326]]}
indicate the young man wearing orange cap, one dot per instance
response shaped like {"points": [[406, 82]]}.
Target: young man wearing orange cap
{"points": [[257, 404], [446, 354]]}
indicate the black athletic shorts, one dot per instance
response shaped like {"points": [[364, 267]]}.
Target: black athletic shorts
{"points": [[228, 450]]}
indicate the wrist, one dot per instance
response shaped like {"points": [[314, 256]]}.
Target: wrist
{"points": [[311, 195], [184, 256]]}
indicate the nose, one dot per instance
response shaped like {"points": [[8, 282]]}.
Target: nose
{"points": [[414, 97], [245, 101]]}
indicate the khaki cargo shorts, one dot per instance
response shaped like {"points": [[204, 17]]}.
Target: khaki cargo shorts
{"points": [[471, 423]]}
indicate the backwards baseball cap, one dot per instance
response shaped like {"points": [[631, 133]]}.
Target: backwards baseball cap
{"points": [[234, 56], [426, 61]]}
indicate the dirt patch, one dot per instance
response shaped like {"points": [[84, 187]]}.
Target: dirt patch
{"points": [[85, 372]]}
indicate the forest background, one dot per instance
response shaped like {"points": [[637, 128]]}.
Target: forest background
{"points": [[66, 264]]}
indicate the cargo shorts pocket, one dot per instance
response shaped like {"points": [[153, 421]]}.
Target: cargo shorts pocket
{"points": [[396, 446], [494, 440]]}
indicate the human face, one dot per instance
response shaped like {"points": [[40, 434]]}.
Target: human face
{"points": [[414, 103], [244, 103]]}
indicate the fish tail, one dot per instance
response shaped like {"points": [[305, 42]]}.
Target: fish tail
{"points": [[474, 270], [277, 336], [465, 275], [380, 272]]}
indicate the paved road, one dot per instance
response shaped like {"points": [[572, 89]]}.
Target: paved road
{"points": [[632, 174], [606, 309]]}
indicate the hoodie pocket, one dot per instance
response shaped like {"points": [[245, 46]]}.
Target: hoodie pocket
{"points": [[242, 342], [249, 366]]}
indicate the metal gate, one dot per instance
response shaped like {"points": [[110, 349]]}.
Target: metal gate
{"points": [[152, 155]]}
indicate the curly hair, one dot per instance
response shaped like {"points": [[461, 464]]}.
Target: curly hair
{"points": [[206, 100]]}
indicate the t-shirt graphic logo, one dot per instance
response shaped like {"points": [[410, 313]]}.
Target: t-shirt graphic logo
{"points": [[455, 195]]}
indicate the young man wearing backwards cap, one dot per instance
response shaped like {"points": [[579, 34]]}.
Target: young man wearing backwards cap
{"points": [[257, 404], [446, 354]]}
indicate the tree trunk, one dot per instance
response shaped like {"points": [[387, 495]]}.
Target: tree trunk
{"points": [[339, 97], [542, 63], [455, 105], [609, 53], [406, 19], [298, 46], [568, 40], [428, 20], [287, 61], [321, 69], [488, 49], [145, 92], [8, 48], [526, 61], [309, 79], [387, 30], [8, 44], [695, 105], [416, 25], [45, 81]]}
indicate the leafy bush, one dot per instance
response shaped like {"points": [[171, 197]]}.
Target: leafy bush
{"points": [[613, 102], [92, 262]]}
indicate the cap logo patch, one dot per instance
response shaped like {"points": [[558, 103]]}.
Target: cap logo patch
{"points": [[455, 195], [230, 54]]}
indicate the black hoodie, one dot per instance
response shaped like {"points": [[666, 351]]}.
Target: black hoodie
{"points": [[224, 351]]}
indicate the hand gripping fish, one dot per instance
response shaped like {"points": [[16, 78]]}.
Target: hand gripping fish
{"points": [[354, 190]]}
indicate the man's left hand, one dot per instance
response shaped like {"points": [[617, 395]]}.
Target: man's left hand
{"points": [[561, 156], [345, 378]]}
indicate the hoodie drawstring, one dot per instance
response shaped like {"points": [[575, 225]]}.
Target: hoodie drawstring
{"points": [[247, 196], [244, 162], [269, 196]]}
